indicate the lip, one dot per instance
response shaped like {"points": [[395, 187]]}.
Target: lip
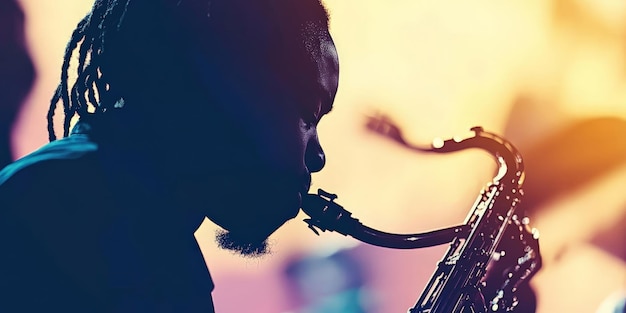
{"points": [[306, 185], [304, 190], [299, 203]]}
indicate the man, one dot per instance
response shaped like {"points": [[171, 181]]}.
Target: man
{"points": [[188, 109]]}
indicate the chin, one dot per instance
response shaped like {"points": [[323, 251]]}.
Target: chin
{"points": [[255, 228], [248, 237], [247, 223], [258, 209], [246, 248]]}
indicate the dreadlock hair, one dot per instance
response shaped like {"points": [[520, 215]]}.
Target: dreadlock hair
{"points": [[91, 86], [94, 91]]}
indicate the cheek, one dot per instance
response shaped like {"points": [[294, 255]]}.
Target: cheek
{"points": [[275, 130], [282, 143], [255, 104]]}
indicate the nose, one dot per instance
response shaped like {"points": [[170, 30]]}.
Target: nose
{"points": [[314, 158]]}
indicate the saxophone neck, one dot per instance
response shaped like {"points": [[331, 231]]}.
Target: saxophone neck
{"points": [[325, 214]]}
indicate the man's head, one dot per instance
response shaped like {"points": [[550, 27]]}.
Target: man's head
{"points": [[234, 88]]}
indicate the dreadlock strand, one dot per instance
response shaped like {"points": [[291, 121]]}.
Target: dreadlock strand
{"points": [[104, 11], [83, 52], [123, 14], [85, 45], [71, 109], [111, 21], [95, 79], [74, 101], [91, 87], [87, 58], [50, 116], [61, 91], [94, 84], [102, 90], [78, 91], [91, 94]]}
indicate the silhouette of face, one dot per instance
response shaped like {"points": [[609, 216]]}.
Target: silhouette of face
{"points": [[275, 82]]}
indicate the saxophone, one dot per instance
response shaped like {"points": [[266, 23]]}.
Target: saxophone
{"points": [[491, 256]]}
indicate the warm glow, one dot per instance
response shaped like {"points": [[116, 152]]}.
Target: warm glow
{"points": [[521, 68]]}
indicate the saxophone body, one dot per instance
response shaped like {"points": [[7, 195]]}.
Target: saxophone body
{"points": [[491, 256]]}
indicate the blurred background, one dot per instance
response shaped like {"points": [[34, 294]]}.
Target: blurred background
{"points": [[549, 75]]}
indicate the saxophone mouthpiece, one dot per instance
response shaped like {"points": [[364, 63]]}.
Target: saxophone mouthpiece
{"points": [[325, 214]]}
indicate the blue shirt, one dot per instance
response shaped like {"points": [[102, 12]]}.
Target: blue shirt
{"points": [[88, 225]]}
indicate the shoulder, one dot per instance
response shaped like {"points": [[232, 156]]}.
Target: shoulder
{"points": [[75, 147], [46, 169], [43, 207]]}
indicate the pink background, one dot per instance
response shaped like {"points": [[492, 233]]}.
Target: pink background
{"points": [[522, 68]]}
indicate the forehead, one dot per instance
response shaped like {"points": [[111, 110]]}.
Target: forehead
{"points": [[289, 36], [296, 11], [302, 29], [287, 39], [266, 24]]}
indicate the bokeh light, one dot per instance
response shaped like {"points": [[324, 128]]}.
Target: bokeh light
{"points": [[527, 69]]}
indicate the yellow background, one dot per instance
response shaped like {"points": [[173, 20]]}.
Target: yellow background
{"points": [[522, 68]]}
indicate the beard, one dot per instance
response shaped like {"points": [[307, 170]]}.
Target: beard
{"points": [[227, 241], [248, 217]]}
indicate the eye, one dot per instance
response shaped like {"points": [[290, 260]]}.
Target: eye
{"points": [[311, 113]]}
